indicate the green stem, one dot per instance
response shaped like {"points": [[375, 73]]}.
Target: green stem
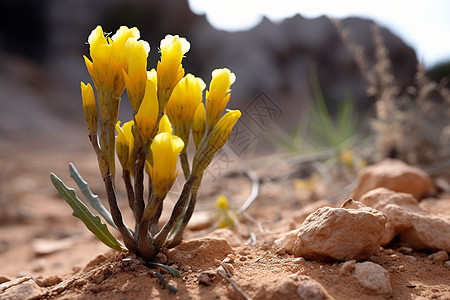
{"points": [[129, 188]]}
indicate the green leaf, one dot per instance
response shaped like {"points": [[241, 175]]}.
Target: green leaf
{"points": [[93, 223], [171, 270], [93, 199]]}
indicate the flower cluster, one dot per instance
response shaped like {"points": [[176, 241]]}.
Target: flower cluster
{"points": [[167, 108]]}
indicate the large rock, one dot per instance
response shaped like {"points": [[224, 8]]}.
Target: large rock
{"points": [[415, 227], [394, 175], [341, 233], [373, 277]]}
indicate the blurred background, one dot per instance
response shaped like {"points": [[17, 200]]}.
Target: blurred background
{"points": [[273, 48]]}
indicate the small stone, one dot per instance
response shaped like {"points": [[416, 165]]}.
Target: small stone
{"points": [[373, 277], [439, 257], [340, 234], [401, 268], [309, 289], [51, 280], [97, 261], [185, 268], [98, 278], [161, 258], [21, 288], [228, 267], [4, 279], [347, 267], [206, 278], [396, 176], [243, 258], [405, 250], [42, 247], [287, 241], [76, 269], [299, 260]]}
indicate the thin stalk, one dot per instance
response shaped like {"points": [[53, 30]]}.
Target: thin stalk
{"points": [[129, 188], [178, 235], [139, 204], [117, 215], [177, 212], [185, 163], [154, 222]]}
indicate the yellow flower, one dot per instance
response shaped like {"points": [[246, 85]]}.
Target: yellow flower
{"points": [[165, 125], [136, 77], [169, 69], [221, 132], [108, 58], [216, 138], [152, 76], [199, 124], [89, 107], [148, 113], [218, 95], [125, 145], [165, 150], [222, 203], [183, 103]]}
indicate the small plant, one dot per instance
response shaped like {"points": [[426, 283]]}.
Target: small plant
{"points": [[161, 99]]}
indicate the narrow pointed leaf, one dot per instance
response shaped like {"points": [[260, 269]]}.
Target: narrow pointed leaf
{"points": [[92, 198], [80, 210], [170, 269]]}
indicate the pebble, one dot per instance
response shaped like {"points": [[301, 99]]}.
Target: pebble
{"points": [[51, 280], [347, 267], [4, 279], [405, 250], [23, 288], [206, 278], [439, 257], [310, 290], [373, 277]]}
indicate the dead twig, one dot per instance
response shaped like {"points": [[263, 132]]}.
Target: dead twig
{"points": [[227, 276]]}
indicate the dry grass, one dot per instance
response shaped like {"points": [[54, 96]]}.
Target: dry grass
{"points": [[413, 124]]}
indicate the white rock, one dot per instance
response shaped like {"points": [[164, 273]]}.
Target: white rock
{"points": [[340, 234], [396, 176], [373, 277], [286, 242], [415, 227]]}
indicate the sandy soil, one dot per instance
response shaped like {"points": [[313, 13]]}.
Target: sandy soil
{"points": [[40, 238]]}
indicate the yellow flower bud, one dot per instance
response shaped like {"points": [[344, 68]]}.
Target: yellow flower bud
{"points": [[125, 145], [222, 203], [152, 76], [148, 113], [165, 125], [216, 138], [199, 124], [136, 77], [165, 150], [89, 107], [169, 69], [218, 95], [181, 107]]}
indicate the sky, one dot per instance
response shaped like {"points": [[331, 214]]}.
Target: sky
{"points": [[424, 25]]}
